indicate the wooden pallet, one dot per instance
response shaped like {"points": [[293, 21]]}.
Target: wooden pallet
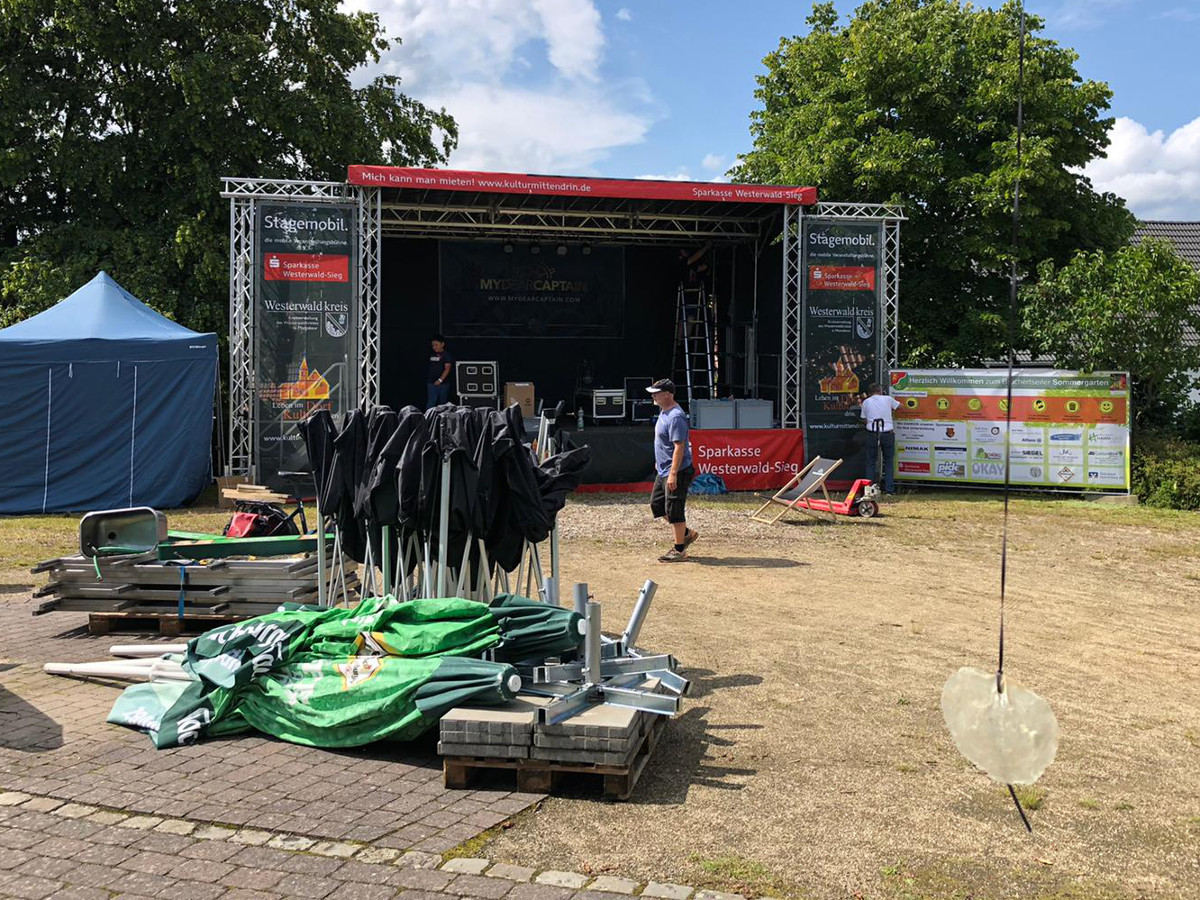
{"points": [[540, 776], [167, 625]]}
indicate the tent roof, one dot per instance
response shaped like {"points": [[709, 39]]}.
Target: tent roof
{"points": [[100, 310]]}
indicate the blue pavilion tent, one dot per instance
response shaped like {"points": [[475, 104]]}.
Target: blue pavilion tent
{"points": [[104, 404]]}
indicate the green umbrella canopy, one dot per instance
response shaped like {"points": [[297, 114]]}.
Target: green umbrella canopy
{"points": [[530, 629], [324, 702], [307, 644]]}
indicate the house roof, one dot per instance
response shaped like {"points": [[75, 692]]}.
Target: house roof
{"points": [[1184, 235], [1186, 238]]}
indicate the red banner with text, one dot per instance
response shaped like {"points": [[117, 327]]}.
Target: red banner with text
{"points": [[749, 459], [570, 186]]}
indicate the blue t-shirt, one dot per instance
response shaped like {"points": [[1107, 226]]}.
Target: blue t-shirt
{"points": [[671, 426]]}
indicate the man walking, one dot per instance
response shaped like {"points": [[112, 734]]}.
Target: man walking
{"points": [[672, 468], [437, 380], [877, 411]]}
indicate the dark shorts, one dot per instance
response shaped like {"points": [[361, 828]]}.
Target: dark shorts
{"points": [[671, 503]]}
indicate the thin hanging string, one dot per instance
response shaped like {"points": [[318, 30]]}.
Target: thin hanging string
{"points": [[1012, 322]]}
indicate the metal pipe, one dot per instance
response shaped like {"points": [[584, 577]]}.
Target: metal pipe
{"points": [[591, 647], [638, 617], [581, 599], [550, 591], [444, 530]]}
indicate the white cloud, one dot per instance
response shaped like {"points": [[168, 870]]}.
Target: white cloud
{"points": [[1158, 174], [684, 173], [713, 161], [624, 14], [1083, 14], [511, 129], [485, 62], [681, 175]]}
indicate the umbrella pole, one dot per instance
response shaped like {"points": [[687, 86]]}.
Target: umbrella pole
{"points": [[444, 530], [368, 570], [535, 565], [322, 591], [484, 582], [591, 647], [385, 550], [521, 565], [464, 569], [554, 557]]}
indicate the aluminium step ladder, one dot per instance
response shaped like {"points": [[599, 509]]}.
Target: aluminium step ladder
{"points": [[693, 356]]}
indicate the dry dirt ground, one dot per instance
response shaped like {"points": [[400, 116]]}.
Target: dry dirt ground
{"points": [[811, 759]]}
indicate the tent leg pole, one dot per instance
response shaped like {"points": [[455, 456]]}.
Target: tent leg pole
{"points": [[504, 581], [444, 530], [521, 566]]}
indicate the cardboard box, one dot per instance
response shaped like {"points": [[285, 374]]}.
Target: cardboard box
{"points": [[521, 393]]}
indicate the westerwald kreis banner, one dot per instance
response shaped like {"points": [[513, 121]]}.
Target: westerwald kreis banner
{"points": [[841, 342], [305, 326]]}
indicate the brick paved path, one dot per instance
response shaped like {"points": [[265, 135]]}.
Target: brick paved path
{"points": [[54, 742], [89, 810], [51, 849]]}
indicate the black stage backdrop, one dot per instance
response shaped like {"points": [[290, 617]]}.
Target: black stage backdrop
{"points": [[508, 291], [411, 315]]}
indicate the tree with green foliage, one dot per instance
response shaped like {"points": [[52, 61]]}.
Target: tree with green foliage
{"points": [[915, 102], [120, 117], [1127, 310]]}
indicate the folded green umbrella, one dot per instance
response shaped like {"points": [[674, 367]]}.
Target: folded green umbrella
{"points": [[230, 663], [324, 702], [530, 629]]}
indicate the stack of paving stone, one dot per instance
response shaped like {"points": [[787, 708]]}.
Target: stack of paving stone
{"points": [[607, 740]]}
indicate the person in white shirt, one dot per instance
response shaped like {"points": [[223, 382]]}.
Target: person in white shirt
{"points": [[877, 411]]}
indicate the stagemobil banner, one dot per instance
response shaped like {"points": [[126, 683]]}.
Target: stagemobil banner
{"points": [[503, 291], [1069, 430], [841, 341], [305, 331]]}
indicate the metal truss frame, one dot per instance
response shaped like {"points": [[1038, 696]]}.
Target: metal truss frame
{"points": [[244, 195], [469, 219], [791, 359], [476, 216]]}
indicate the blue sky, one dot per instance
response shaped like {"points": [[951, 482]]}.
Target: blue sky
{"points": [[635, 88]]}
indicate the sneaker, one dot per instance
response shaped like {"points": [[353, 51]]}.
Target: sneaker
{"points": [[674, 555], [689, 538]]}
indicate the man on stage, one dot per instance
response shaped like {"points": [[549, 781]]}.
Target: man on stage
{"points": [[437, 381], [672, 467]]}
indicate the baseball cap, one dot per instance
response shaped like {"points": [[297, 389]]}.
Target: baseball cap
{"points": [[663, 384]]}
